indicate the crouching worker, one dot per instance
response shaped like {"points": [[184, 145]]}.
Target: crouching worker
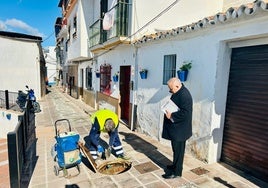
{"points": [[105, 121]]}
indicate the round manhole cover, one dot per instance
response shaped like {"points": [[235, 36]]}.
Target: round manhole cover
{"points": [[114, 167]]}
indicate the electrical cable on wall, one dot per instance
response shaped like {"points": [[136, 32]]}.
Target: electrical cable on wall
{"points": [[49, 36], [139, 30]]}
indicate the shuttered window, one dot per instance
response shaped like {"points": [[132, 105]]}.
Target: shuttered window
{"points": [[89, 78], [169, 69]]}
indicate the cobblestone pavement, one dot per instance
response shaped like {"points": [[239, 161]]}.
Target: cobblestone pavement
{"points": [[148, 156]]}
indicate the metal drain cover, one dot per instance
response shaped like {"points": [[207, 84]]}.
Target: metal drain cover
{"points": [[200, 171], [146, 167]]}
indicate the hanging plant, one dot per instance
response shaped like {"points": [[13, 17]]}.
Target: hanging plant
{"points": [[143, 73], [116, 76], [184, 69]]}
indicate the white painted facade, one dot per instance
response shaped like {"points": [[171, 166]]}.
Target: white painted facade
{"points": [[210, 52], [20, 62], [208, 47], [78, 45], [146, 17], [51, 64], [74, 39], [159, 15]]}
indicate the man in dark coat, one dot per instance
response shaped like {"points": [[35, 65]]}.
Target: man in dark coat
{"points": [[177, 126]]}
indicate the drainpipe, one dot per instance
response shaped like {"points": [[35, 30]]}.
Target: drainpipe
{"points": [[135, 88], [95, 90]]}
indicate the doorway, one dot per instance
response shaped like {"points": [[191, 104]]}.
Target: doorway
{"points": [[246, 119], [82, 82], [124, 87]]}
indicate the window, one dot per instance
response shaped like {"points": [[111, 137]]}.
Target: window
{"points": [[66, 46], [74, 27], [69, 33], [105, 79], [89, 78], [169, 69]]}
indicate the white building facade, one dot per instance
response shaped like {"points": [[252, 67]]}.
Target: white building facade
{"points": [[228, 82], [143, 35], [22, 67], [51, 65]]}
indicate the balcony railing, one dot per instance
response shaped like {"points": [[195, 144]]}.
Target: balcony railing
{"points": [[119, 29], [63, 31]]}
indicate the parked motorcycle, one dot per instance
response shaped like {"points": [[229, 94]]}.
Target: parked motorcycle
{"points": [[22, 98]]}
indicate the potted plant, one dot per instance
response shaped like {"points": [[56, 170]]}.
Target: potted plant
{"points": [[143, 73], [115, 77], [184, 69]]}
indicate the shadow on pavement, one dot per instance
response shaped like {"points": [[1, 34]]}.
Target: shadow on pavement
{"points": [[142, 146], [87, 163]]}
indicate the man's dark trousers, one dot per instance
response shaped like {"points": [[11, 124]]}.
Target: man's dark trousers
{"points": [[178, 148]]}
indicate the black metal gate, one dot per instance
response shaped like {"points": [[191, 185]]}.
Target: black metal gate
{"points": [[245, 140]]}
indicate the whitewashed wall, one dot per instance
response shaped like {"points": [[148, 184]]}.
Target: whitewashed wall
{"points": [[210, 51], [20, 65], [182, 13], [51, 61], [120, 56], [74, 49]]}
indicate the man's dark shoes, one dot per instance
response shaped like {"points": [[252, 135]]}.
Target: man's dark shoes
{"points": [[169, 176]]}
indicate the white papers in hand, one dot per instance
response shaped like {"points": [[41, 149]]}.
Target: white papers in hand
{"points": [[169, 106]]}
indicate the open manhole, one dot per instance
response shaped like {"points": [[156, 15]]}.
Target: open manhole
{"points": [[146, 167], [200, 171], [114, 167], [109, 167]]}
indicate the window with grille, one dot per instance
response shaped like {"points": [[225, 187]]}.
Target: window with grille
{"points": [[89, 78], [74, 27], [169, 69], [105, 79]]}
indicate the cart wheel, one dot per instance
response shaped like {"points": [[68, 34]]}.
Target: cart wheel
{"points": [[78, 168], [56, 170], [55, 158]]}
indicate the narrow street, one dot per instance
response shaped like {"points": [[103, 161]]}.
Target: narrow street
{"points": [[148, 156]]}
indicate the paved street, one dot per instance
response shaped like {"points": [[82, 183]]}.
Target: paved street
{"points": [[148, 156]]}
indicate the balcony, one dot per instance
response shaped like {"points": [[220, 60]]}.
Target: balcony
{"points": [[63, 32], [57, 26], [98, 36]]}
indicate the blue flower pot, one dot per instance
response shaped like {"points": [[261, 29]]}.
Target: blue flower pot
{"points": [[182, 75], [143, 74], [115, 78], [8, 116]]}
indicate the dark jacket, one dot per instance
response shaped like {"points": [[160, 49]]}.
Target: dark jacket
{"points": [[181, 128]]}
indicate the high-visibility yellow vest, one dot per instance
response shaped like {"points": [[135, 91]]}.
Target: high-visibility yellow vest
{"points": [[102, 116]]}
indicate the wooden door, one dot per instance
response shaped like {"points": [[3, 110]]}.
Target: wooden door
{"points": [[124, 87]]}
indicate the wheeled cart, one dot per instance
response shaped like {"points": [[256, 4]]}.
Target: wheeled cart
{"points": [[67, 153]]}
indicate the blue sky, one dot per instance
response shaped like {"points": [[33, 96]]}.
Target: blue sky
{"points": [[32, 17]]}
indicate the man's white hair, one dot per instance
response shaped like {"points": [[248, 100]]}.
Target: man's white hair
{"points": [[109, 125]]}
